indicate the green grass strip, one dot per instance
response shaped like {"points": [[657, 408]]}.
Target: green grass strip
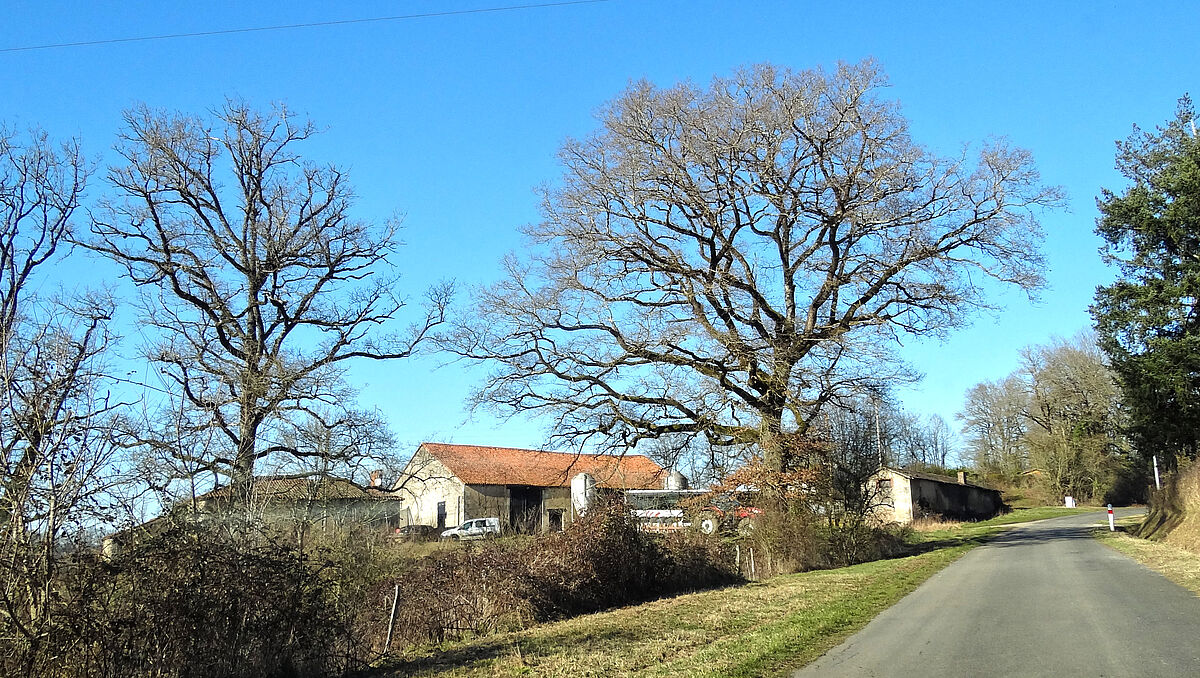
{"points": [[749, 630], [756, 629]]}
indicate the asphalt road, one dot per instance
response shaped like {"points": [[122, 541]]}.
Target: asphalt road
{"points": [[1044, 599]]}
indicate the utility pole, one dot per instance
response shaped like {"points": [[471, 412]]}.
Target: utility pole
{"points": [[878, 434]]}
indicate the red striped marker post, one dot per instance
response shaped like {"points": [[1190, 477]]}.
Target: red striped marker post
{"points": [[1112, 527]]}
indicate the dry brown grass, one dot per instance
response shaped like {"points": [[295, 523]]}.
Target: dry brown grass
{"points": [[742, 631], [1174, 515], [1177, 564], [1186, 534], [934, 524]]}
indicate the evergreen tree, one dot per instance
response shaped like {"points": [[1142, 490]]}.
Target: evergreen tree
{"points": [[1148, 320]]}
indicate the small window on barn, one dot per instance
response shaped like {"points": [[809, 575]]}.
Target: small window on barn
{"points": [[884, 484]]}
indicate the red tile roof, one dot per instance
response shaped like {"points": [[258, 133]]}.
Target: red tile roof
{"points": [[481, 465]]}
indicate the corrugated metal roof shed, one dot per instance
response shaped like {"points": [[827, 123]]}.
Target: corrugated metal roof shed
{"points": [[290, 488]]}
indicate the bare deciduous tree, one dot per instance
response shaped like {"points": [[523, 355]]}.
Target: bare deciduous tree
{"points": [[40, 187], [718, 263], [57, 455], [939, 441], [1075, 416], [256, 279], [1059, 414], [994, 423]]}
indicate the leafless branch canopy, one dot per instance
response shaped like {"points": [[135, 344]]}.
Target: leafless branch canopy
{"points": [[257, 280], [57, 456], [40, 188], [718, 262]]}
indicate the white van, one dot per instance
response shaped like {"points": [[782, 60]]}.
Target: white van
{"points": [[479, 528]]}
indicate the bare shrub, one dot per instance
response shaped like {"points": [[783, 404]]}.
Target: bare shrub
{"points": [[789, 542], [202, 600], [693, 562], [603, 560], [600, 561], [812, 517], [851, 544], [468, 591]]}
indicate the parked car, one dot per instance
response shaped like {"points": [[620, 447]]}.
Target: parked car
{"points": [[479, 528], [418, 532]]}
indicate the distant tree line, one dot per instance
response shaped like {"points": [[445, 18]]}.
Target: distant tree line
{"points": [[1057, 422]]}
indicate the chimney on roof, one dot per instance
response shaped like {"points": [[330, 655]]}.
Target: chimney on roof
{"points": [[962, 477], [377, 478]]}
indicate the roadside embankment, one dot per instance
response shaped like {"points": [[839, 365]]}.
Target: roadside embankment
{"points": [[1168, 538], [1174, 512]]}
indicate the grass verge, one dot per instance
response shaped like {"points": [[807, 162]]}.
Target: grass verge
{"points": [[1025, 515], [939, 534], [751, 630], [1179, 565], [765, 628]]}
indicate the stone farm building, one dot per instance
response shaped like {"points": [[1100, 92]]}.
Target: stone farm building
{"points": [[298, 503], [320, 499], [529, 490], [902, 496]]}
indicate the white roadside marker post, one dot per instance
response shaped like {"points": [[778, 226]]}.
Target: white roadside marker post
{"points": [[1111, 525]]}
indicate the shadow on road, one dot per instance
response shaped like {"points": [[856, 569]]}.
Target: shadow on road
{"points": [[1032, 536], [935, 544], [1026, 535]]}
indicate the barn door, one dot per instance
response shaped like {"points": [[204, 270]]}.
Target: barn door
{"points": [[525, 509]]}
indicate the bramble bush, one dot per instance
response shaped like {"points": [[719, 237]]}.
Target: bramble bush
{"points": [[600, 561], [212, 599]]}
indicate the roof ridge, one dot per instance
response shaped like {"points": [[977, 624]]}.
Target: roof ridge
{"points": [[490, 464], [528, 449]]}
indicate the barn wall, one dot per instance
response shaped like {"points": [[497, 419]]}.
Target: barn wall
{"points": [[893, 504], [954, 500], [425, 482], [487, 501]]}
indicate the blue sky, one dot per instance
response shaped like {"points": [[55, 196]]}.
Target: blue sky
{"points": [[454, 120]]}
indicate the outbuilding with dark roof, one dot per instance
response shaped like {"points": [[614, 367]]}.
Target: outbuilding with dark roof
{"points": [[902, 495]]}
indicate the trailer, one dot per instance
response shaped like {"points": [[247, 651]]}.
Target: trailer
{"points": [[669, 510], [662, 511]]}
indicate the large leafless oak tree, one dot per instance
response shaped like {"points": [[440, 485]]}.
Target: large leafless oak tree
{"points": [[257, 281], [717, 263]]}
